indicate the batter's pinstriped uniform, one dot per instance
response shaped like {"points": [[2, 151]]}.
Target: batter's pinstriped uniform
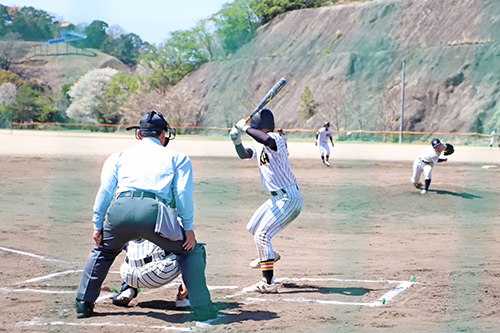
{"points": [[147, 265], [286, 201]]}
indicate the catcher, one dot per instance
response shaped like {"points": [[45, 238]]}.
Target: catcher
{"points": [[425, 162], [148, 266]]}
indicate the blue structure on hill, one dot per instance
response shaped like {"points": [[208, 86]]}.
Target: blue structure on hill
{"points": [[67, 36]]}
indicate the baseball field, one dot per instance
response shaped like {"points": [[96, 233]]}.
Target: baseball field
{"points": [[368, 253]]}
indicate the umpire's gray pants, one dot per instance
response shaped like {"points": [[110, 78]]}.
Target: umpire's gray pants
{"points": [[128, 219]]}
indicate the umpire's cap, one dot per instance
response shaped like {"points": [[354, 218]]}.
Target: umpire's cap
{"points": [[263, 120], [436, 142], [152, 121]]}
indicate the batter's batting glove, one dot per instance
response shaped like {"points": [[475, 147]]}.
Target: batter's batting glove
{"points": [[242, 125], [235, 136]]}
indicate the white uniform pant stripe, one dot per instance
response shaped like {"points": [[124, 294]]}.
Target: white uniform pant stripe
{"points": [[152, 275], [271, 218]]}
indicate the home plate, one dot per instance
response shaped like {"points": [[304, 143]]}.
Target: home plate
{"points": [[489, 167]]}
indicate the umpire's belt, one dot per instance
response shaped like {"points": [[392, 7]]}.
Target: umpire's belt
{"points": [[141, 194], [424, 161], [140, 262]]}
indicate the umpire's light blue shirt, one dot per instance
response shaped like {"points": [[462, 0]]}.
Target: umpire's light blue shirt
{"points": [[149, 167]]}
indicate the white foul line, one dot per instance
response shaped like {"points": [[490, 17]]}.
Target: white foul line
{"points": [[50, 276], [34, 255], [37, 322]]}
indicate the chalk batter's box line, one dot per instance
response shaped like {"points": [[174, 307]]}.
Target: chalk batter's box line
{"points": [[402, 286]]}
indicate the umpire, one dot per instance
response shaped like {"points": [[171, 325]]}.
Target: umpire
{"points": [[146, 177]]}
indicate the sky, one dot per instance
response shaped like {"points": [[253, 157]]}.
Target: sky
{"points": [[152, 20]]}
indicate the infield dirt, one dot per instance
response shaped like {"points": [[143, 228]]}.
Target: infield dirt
{"points": [[363, 228]]}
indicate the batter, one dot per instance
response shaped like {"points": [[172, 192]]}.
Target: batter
{"points": [[285, 203]]}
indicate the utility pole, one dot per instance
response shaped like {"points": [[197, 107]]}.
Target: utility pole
{"points": [[401, 118]]}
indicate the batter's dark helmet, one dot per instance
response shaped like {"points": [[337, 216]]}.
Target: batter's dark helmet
{"points": [[263, 120]]}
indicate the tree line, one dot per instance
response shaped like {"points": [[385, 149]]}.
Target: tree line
{"points": [[116, 96]]}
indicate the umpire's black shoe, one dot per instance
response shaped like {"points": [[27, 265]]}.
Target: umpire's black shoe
{"points": [[84, 309], [205, 312]]}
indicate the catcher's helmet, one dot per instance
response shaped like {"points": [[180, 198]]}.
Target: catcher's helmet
{"points": [[436, 142], [326, 123], [263, 120]]}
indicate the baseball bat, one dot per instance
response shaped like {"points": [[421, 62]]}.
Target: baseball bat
{"points": [[269, 96]]}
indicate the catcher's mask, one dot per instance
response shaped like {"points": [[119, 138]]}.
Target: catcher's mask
{"points": [[263, 120], [154, 121]]}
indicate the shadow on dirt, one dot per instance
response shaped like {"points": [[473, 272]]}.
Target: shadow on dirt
{"points": [[351, 291], [162, 309], [463, 195]]}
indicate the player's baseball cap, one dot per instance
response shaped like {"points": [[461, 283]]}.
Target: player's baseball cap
{"points": [[280, 129], [326, 123], [436, 142]]}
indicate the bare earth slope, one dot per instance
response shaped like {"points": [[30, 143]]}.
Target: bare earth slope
{"points": [[351, 57], [58, 70]]}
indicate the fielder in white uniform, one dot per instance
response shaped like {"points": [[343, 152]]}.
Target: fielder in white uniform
{"points": [[494, 138], [280, 132], [322, 136], [148, 266], [425, 162], [285, 203]]}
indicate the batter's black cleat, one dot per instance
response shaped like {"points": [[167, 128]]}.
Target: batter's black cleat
{"points": [[84, 309], [205, 312]]}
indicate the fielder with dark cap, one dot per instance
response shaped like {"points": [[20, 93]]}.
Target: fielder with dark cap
{"points": [[322, 136], [285, 203], [148, 178], [425, 162]]}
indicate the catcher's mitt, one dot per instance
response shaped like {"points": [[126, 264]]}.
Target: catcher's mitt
{"points": [[448, 150]]}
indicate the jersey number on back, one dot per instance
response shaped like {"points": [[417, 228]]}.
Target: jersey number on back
{"points": [[264, 158]]}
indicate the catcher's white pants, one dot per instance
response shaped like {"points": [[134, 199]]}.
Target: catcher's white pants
{"points": [[272, 217], [160, 271], [418, 167], [324, 149]]}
